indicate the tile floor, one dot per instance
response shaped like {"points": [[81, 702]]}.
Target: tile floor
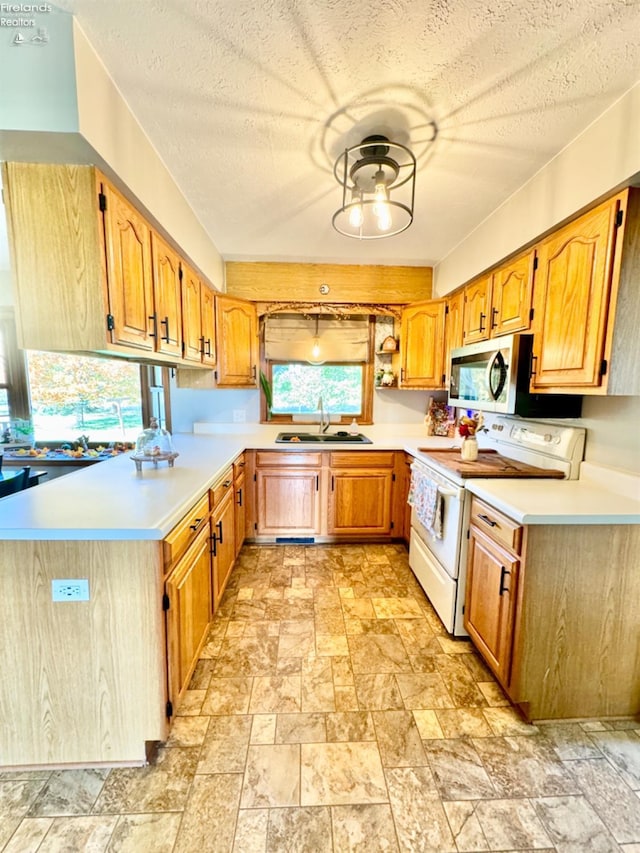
{"points": [[330, 711]]}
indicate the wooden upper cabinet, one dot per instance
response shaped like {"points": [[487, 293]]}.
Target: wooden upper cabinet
{"points": [[128, 274], [571, 308], [477, 304], [422, 345], [198, 319], [511, 295], [453, 328], [208, 325], [193, 346], [237, 336], [167, 297]]}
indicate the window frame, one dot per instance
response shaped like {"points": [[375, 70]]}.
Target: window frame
{"points": [[367, 384]]}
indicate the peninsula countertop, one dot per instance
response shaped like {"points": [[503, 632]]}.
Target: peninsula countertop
{"points": [[111, 501]]}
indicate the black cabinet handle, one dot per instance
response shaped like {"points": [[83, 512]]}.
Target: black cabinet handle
{"points": [[208, 342], [197, 522], [532, 372], [165, 323], [226, 484], [213, 545], [483, 317], [239, 501], [219, 526], [202, 345], [488, 520], [503, 574], [154, 318], [494, 312]]}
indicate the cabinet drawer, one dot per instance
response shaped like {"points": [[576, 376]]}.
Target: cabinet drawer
{"points": [[177, 542], [224, 484], [239, 465], [362, 459], [499, 527], [275, 459]]}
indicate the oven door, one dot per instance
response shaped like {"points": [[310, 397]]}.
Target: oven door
{"points": [[445, 550]]}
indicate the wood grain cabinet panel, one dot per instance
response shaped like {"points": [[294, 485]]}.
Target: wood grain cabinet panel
{"points": [[223, 549], [167, 297], [188, 590], [360, 502], [288, 501], [511, 295], [128, 274], [237, 330], [422, 345], [490, 602], [192, 338], [477, 304], [208, 325], [454, 312]]}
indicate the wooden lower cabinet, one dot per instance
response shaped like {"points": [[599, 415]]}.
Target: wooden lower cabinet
{"points": [[549, 609], [288, 501], [188, 590], [327, 495], [492, 580], [223, 549], [360, 502]]}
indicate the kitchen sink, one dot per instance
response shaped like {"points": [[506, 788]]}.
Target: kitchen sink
{"points": [[316, 437]]}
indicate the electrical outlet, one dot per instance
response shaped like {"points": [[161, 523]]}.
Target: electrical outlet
{"points": [[239, 416], [71, 589]]}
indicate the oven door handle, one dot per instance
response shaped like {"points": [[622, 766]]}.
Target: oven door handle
{"points": [[448, 493]]}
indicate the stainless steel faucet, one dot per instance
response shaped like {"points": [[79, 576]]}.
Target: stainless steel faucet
{"points": [[323, 427]]}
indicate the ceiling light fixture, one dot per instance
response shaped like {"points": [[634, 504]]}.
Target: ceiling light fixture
{"points": [[368, 174], [316, 352]]}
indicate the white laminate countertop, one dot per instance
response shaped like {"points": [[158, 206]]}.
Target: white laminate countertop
{"points": [[600, 496], [111, 501]]}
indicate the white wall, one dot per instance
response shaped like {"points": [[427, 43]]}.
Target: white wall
{"points": [[603, 158], [612, 431]]}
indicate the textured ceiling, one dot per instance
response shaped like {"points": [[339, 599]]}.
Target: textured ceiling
{"points": [[249, 104]]}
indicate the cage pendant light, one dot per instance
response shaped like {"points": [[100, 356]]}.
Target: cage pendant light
{"points": [[378, 180]]}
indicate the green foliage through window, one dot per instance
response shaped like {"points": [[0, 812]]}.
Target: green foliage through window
{"points": [[297, 388], [71, 395]]}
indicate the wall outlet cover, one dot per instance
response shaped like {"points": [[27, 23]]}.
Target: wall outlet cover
{"points": [[70, 589]]}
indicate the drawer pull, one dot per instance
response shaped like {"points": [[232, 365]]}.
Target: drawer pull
{"points": [[488, 520], [503, 575], [219, 526], [226, 484], [213, 545], [239, 501], [197, 522]]}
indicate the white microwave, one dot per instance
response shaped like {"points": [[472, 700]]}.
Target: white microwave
{"points": [[494, 376]]}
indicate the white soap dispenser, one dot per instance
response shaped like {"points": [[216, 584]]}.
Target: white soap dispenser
{"points": [[353, 428]]}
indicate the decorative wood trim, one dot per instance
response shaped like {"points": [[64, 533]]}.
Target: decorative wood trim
{"points": [[340, 283], [338, 310]]}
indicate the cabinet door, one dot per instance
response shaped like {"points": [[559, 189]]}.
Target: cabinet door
{"points": [[129, 277], [208, 325], [490, 601], [511, 294], [571, 301], [188, 589], [222, 545], [236, 325], [193, 341], [360, 502], [422, 345], [240, 516], [167, 297], [288, 502], [477, 299], [453, 328]]}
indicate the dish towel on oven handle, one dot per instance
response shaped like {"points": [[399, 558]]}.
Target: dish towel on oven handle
{"points": [[427, 501]]}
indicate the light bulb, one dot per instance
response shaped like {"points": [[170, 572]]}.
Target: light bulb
{"points": [[355, 214], [381, 197], [315, 349], [384, 219]]}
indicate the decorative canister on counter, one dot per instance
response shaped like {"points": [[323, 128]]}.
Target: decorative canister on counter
{"points": [[469, 448], [154, 445]]}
